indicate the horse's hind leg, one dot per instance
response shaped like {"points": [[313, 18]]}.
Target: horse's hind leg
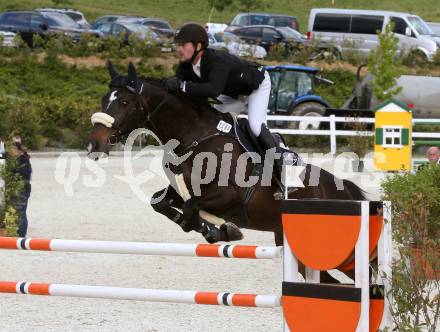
{"points": [[209, 231]]}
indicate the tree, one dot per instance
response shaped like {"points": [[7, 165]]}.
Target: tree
{"points": [[384, 65]]}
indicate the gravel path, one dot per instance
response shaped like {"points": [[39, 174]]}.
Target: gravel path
{"points": [[113, 212]]}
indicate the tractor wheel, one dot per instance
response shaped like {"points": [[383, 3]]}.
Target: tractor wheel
{"points": [[307, 109]]}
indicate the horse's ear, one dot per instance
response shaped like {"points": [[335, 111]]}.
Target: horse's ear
{"points": [[111, 70], [132, 76]]}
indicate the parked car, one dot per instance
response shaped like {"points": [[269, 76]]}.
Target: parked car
{"points": [[74, 14], [231, 43], [267, 36], [215, 27], [160, 26], [8, 39], [112, 19], [275, 20], [137, 30], [30, 23], [435, 27], [356, 30]]}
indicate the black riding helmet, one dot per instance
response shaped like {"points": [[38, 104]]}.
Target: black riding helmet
{"points": [[193, 33]]}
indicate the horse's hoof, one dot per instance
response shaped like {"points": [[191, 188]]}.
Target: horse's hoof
{"points": [[232, 232]]}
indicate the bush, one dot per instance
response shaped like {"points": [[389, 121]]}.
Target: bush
{"points": [[50, 103], [436, 61], [12, 188], [415, 202], [416, 205]]}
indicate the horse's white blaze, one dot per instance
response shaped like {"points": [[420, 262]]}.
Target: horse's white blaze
{"points": [[111, 99]]}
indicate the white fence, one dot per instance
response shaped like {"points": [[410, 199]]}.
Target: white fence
{"points": [[333, 132]]}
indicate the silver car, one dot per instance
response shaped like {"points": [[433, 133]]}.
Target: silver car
{"points": [[356, 30], [435, 27], [233, 44], [7, 38]]}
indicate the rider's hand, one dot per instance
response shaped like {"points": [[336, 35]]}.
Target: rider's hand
{"points": [[174, 84]]}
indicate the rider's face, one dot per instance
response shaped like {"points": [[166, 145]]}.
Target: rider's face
{"points": [[185, 51]]}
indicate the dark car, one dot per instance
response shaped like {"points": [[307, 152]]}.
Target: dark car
{"points": [[268, 36], [275, 20], [30, 23], [129, 29], [160, 26], [74, 14], [113, 19]]}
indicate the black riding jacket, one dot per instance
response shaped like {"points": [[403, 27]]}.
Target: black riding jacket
{"points": [[221, 73]]}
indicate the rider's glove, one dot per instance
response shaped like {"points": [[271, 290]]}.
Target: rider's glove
{"points": [[174, 84]]}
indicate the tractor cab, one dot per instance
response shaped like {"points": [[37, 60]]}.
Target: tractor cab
{"points": [[293, 91]]}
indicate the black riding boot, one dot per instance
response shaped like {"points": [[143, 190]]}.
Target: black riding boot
{"points": [[268, 142]]}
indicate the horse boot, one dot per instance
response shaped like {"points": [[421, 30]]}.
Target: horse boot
{"points": [[268, 142], [227, 232]]}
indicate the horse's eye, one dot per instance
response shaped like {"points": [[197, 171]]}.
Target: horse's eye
{"points": [[124, 102]]}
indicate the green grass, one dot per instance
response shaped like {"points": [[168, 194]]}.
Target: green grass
{"points": [[180, 11]]}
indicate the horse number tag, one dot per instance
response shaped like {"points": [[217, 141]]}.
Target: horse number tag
{"points": [[224, 126]]}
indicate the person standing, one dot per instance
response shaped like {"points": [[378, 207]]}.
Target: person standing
{"points": [[24, 169], [434, 155]]}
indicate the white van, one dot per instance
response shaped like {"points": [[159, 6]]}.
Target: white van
{"points": [[356, 30]]}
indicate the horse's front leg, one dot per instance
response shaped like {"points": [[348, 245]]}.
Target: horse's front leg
{"points": [[168, 202]]}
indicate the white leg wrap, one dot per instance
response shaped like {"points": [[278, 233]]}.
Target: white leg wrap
{"points": [[183, 190]]}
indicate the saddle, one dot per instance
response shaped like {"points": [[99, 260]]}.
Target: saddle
{"points": [[247, 140]]}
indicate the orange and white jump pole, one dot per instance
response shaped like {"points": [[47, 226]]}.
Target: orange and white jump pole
{"points": [[140, 294], [142, 248]]}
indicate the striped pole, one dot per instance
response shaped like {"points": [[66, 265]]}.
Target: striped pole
{"points": [[142, 248], [140, 294]]}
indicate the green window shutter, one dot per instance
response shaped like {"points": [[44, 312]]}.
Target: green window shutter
{"points": [[379, 136], [405, 136]]}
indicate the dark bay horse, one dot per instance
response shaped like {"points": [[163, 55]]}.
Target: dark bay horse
{"points": [[135, 102]]}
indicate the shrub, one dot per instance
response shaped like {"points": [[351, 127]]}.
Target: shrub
{"points": [[415, 202]]}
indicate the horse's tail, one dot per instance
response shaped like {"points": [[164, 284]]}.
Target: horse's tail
{"points": [[355, 191]]}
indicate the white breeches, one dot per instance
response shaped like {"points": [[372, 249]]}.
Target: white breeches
{"points": [[257, 104]]}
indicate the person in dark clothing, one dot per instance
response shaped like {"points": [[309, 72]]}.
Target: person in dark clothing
{"points": [[209, 73], [2, 149], [24, 169]]}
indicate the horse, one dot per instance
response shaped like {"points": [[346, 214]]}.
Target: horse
{"points": [[220, 209]]}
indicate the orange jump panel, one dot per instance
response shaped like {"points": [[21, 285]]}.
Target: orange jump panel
{"points": [[375, 230], [321, 307], [321, 242]]}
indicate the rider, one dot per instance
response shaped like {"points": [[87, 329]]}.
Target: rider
{"points": [[209, 73]]}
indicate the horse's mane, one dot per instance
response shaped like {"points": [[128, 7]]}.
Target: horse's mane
{"points": [[197, 104]]}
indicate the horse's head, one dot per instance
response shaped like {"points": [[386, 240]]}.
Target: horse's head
{"points": [[122, 111]]}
